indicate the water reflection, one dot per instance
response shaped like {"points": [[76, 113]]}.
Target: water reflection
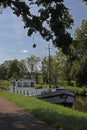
{"points": [[80, 104]]}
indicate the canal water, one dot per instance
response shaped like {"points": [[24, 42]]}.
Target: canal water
{"points": [[80, 104]]}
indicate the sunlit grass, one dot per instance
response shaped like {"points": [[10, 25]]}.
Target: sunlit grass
{"points": [[58, 116]]}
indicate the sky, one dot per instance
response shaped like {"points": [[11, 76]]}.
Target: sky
{"points": [[14, 42]]}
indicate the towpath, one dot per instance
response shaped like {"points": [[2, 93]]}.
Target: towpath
{"points": [[14, 118]]}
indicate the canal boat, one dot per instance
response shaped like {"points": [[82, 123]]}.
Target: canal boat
{"points": [[53, 95]]}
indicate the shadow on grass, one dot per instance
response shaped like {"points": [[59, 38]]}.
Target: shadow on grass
{"points": [[62, 121], [21, 121]]}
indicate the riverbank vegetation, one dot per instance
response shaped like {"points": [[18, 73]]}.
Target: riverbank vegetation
{"points": [[59, 117]]}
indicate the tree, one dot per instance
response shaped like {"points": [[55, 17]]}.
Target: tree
{"points": [[79, 54], [3, 69], [85, 1], [59, 61], [44, 70], [23, 69], [13, 70], [32, 64], [47, 70], [51, 21], [3, 72]]}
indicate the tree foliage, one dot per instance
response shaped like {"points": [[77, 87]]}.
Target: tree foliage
{"points": [[85, 1], [44, 70], [3, 72], [32, 63], [57, 63], [13, 70], [52, 19], [79, 55]]}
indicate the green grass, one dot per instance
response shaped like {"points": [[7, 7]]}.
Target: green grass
{"points": [[58, 116]]}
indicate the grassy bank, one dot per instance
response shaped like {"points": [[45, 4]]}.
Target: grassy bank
{"points": [[58, 116]]}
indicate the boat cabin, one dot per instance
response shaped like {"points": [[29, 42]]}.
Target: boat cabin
{"points": [[22, 83], [25, 87]]}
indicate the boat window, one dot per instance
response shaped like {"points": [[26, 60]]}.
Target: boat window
{"points": [[20, 91], [27, 92], [24, 92], [32, 84], [19, 84], [61, 96], [26, 84], [17, 91]]}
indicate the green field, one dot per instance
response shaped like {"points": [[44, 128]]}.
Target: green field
{"points": [[59, 117]]}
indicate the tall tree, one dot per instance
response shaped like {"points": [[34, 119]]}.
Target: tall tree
{"points": [[3, 69], [32, 64], [44, 70], [59, 61], [3, 72], [79, 52], [13, 70], [23, 69], [52, 19]]}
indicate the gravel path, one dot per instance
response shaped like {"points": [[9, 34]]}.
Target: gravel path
{"points": [[14, 118]]}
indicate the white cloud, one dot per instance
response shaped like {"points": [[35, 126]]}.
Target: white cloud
{"points": [[24, 51]]}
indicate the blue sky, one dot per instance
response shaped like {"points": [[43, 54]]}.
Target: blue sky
{"points": [[14, 42]]}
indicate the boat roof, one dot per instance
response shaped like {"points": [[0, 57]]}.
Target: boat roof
{"points": [[23, 80]]}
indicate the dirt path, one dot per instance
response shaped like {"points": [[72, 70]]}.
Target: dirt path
{"points": [[14, 118]]}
